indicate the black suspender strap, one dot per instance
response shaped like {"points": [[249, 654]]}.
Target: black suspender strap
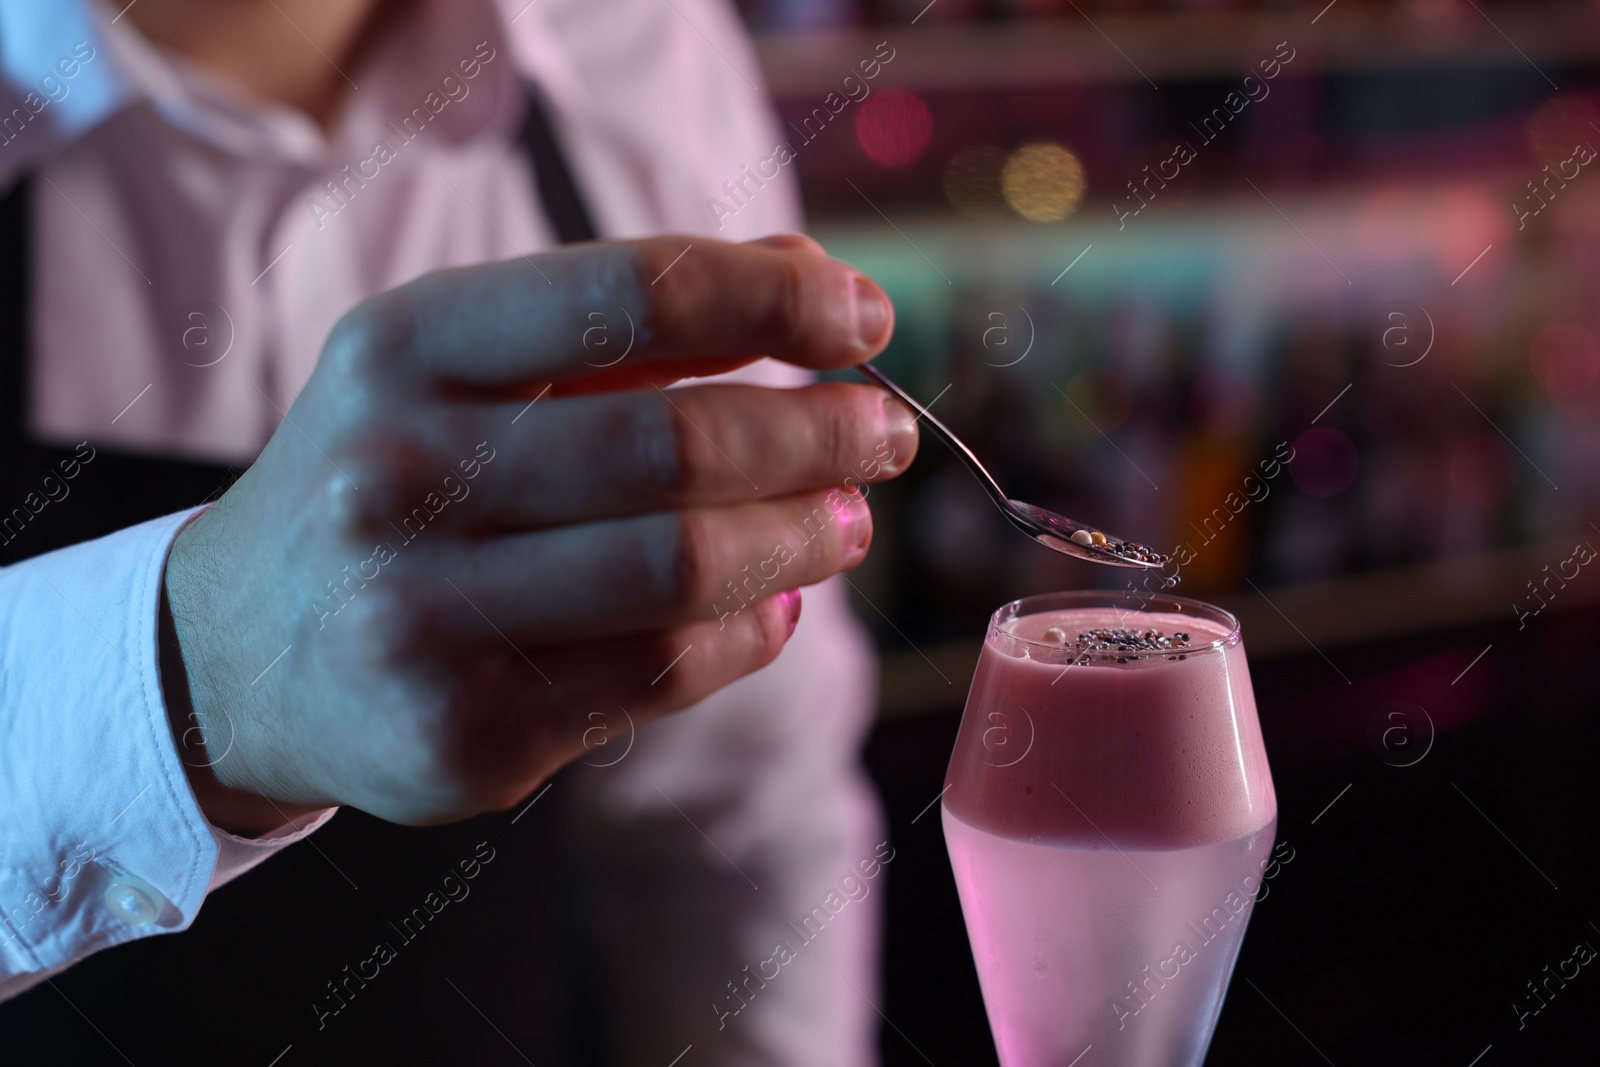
{"points": [[563, 204], [16, 298]]}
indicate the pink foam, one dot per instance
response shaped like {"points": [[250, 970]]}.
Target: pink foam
{"points": [[1151, 753]]}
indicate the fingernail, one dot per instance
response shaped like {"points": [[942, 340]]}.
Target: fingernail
{"points": [[860, 519], [790, 598], [873, 313], [899, 429]]}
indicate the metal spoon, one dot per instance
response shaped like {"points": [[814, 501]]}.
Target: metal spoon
{"points": [[1047, 527]]}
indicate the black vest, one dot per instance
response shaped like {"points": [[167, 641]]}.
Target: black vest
{"points": [[280, 946]]}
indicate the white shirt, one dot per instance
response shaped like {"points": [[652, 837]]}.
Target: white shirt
{"points": [[162, 192]]}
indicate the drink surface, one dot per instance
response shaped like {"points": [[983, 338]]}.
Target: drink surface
{"points": [[1109, 814], [1155, 752]]}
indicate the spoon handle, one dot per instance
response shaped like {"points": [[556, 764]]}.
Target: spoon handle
{"points": [[942, 432]]}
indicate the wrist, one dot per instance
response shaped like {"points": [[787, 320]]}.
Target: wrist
{"points": [[201, 741]]}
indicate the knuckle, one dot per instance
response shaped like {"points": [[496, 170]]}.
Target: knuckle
{"points": [[648, 437], [671, 289], [676, 451], [819, 519], [780, 313], [689, 566], [368, 335], [385, 614], [489, 734], [389, 471], [835, 429]]}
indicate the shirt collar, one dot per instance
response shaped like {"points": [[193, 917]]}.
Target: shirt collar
{"points": [[127, 70]]}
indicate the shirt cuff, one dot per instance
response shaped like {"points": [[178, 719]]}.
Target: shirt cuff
{"points": [[103, 840], [236, 855]]}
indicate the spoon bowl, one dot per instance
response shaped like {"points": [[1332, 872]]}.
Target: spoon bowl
{"points": [[1053, 530]]}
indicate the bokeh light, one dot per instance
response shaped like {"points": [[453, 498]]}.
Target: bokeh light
{"points": [[1324, 463], [1557, 126], [1565, 358], [1043, 182], [894, 127], [1461, 221], [1484, 471], [1222, 403], [972, 182]]}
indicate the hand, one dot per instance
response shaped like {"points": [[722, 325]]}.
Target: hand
{"points": [[414, 598]]}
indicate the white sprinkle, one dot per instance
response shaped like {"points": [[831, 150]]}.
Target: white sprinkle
{"points": [[1082, 537]]}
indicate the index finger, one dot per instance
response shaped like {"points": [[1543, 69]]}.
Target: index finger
{"points": [[659, 300]]}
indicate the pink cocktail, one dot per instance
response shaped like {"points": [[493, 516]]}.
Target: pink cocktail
{"points": [[1109, 814]]}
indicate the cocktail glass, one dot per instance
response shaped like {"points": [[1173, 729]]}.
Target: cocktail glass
{"points": [[1110, 818]]}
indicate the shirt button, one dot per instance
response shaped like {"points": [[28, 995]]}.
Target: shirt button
{"points": [[133, 900]]}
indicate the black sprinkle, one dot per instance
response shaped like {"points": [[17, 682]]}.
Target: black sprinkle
{"points": [[1115, 643], [1135, 551]]}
